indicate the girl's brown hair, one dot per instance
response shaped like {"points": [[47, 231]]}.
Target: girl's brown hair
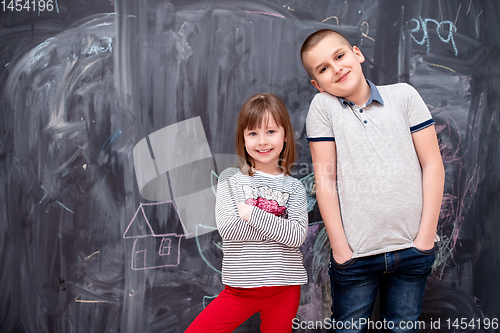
{"points": [[253, 112]]}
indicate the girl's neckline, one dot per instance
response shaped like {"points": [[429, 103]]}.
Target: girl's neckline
{"points": [[262, 173]]}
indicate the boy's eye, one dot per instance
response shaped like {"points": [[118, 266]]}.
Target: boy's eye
{"points": [[322, 70], [340, 56]]}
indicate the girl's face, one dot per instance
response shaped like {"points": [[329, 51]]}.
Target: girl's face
{"points": [[264, 144]]}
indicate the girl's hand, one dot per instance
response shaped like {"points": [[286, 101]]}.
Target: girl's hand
{"points": [[244, 211]]}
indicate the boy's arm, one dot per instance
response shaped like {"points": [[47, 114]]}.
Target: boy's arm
{"points": [[323, 155], [427, 148]]}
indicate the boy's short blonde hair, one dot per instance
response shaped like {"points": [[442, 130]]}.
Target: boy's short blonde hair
{"points": [[253, 112], [313, 39]]}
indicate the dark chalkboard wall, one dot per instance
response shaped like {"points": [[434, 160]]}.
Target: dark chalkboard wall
{"points": [[82, 84]]}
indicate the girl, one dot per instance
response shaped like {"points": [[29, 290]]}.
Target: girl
{"points": [[261, 215]]}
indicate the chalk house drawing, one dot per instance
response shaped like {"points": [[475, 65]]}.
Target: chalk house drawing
{"points": [[156, 245]]}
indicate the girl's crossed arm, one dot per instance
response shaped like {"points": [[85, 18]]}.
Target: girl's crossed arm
{"points": [[228, 221], [290, 232]]}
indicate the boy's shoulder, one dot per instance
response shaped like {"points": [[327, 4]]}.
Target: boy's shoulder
{"points": [[324, 100], [334, 101], [326, 97], [396, 89], [399, 85]]}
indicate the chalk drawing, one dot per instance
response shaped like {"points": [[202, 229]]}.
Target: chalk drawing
{"points": [[331, 17], [206, 298], [199, 247], [456, 17], [468, 9], [88, 257], [167, 254], [265, 13], [309, 183], [365, 34], [69, 210], [441, 66], [422, 25], [212, 182], [101, 49], [477, 28], [78, 300]]}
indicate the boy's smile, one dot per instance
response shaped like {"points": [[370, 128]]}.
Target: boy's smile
{"points": [[336, 68], [264, 144], [343, 77]]}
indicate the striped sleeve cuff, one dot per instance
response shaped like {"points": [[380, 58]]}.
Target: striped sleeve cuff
{"points": [[321, 139], [421, 126]]}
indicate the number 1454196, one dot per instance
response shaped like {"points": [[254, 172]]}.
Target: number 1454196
{"points": [[27, 5], [472, 324]]}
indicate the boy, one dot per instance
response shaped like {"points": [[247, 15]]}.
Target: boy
{"points": [[379, 184]]}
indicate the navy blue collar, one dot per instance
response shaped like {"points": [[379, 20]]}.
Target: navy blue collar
{"points": [[374, 96]]}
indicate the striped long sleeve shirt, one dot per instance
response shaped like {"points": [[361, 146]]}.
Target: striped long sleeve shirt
{"points": [[262, 251]]}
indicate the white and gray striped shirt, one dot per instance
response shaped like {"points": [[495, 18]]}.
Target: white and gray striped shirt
{"points": [[264, 250]]}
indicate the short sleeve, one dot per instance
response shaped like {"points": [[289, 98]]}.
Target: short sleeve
{"points": [[419, 116], [319, 125]]}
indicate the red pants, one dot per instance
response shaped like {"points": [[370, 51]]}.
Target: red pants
{"points": [[277, 306]]}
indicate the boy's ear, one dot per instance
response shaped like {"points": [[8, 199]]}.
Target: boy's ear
{"points": [[358, 54], [316, 85]]}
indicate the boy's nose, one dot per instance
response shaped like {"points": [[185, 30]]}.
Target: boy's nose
{"points": [[337, 68]]}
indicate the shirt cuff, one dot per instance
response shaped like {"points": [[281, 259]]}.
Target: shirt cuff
{"points": [[321, 139], [421, 126]]}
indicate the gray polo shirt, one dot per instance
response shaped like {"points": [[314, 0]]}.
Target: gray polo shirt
{"points": [[379, 178]]}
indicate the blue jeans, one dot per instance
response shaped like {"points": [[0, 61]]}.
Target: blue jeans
{"points": [[401, 277]]}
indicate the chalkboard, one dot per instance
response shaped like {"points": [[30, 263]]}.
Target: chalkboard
{"points": [[85, 82]]}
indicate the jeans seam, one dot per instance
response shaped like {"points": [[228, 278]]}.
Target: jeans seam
{"points": [[396, 263]]}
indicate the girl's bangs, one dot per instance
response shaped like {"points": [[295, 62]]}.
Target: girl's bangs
{"points": [[258, 116]]}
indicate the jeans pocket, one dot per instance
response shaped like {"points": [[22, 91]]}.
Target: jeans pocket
{"points": [[345, 264], [424, 252]]}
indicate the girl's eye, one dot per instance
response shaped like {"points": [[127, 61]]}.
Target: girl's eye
{"points": [[252, 133], [271, 131]]}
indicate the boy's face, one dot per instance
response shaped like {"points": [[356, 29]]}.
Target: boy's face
{"points": [[335, 66]]}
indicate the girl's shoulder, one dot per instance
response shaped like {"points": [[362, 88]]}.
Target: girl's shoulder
{"points": [[297, 185], [229, 173]]}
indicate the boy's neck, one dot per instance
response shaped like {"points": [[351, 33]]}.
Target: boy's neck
{"points": [[361, 96]]}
